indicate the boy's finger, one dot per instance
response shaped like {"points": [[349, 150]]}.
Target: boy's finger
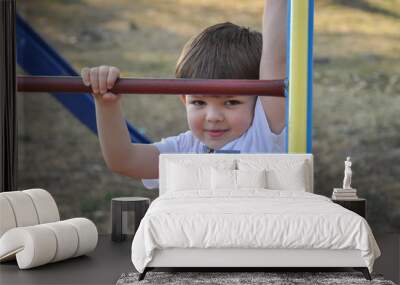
{"points": [[111, 97], [85, 73], [96, 96], [108, 97], [103, 75], [113, 75], [94, 79]]}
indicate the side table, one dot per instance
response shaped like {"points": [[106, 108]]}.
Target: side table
{"points": [[358, 205], [119, 216]]}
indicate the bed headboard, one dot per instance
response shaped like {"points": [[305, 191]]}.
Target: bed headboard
{"points": [[269, 159]]}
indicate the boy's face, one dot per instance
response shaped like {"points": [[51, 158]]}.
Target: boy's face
{"points": [[217, 120]]}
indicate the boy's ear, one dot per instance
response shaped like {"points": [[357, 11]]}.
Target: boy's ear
{"points": [[183, 99]]}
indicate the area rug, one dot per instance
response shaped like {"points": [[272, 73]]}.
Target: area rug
{"points": [[268, 278]]}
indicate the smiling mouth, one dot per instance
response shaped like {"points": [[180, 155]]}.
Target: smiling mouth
{"points": [[216, 133]]}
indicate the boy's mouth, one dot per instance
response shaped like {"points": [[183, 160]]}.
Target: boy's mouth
{"points": [[216, 133]]}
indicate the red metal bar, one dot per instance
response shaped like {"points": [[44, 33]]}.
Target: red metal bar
{"points": [[156, 86]]}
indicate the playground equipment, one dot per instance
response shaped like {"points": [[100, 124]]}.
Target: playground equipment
{"points": [[299, 70], [298, 85], [156, 86]]}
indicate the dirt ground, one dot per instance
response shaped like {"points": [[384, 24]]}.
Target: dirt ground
{"points": [[356, 95]]}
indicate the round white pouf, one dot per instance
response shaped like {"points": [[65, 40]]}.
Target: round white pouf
{"points": [[87, 233], [67, 239], [33, 246], [6, 215], [45, 205], [23, 208], [40, 244]]}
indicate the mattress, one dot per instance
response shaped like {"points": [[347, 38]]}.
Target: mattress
{"points": [[250, 218]]}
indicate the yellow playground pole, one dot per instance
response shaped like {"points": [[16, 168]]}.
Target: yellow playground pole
{"points": [[299, 102]]}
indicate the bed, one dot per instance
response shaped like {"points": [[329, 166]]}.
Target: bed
{"points": [[247, 210]]}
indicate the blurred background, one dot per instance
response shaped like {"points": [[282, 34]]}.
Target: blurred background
{"points": [[356, 95]]}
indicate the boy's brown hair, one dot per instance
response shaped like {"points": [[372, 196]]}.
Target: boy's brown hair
{"points": [[222, 51]]}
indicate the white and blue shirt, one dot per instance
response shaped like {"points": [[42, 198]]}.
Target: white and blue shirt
{"points": [[257, 139]]}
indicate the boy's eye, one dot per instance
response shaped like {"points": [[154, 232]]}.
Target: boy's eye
{"points": [[197, 102], [202, 103], [232, 102]]}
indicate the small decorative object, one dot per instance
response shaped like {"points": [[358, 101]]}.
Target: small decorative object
{"points": [[347, 192], [347, 174]]}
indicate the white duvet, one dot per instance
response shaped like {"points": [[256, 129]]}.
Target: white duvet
{"points": [[252, 218]]}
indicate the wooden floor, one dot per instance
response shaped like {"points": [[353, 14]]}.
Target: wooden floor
{"points": [[111, 259]]}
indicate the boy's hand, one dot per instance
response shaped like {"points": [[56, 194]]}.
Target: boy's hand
{"points": [[101, 79]]}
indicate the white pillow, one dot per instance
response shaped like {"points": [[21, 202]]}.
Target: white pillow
{"points": [[227, 179], [186, 174], [282, 174], [251, 178], [293, 179], [223, 179], [183, 177]]}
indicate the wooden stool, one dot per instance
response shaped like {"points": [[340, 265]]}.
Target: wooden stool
{"points": [[119, 208]]}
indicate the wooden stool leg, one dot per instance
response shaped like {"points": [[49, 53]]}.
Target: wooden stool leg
{"points": [[140, 211], [116, 225]]}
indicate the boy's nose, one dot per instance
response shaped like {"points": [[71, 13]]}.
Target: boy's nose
{"points": [[214, 114]]}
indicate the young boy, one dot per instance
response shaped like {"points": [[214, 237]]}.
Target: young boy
{"points": [[247, 124]]}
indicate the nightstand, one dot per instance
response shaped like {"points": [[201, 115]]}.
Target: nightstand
{"points": [[358, 206], [119, 215]]}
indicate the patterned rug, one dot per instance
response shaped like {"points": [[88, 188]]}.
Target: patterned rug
{"points": [[243, 278]]}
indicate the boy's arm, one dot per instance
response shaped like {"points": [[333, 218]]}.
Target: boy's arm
{"points": [[273, 59], [121, 155]]}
